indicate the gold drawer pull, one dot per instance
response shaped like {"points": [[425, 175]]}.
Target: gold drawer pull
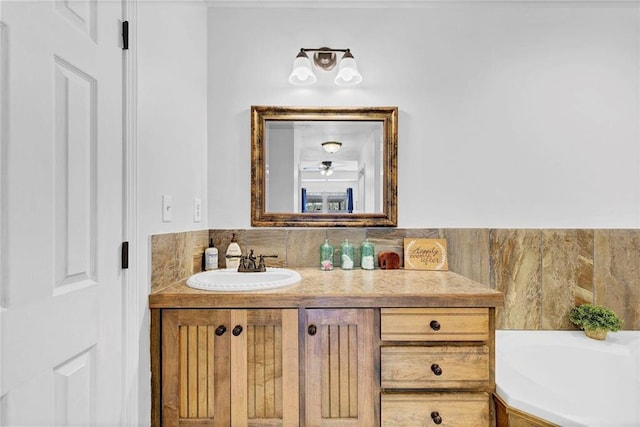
{"points": [[436, 369], [435, 325], [435, 416]]}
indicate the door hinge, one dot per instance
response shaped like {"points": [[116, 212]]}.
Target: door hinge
{"points": [[125, 255], [125, 35]]}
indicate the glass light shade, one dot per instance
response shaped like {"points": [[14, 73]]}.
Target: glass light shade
{"points": [[331, 146], [348, 74], [301, 73]]}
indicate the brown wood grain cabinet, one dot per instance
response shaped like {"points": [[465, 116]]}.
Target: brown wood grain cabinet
{"points": [[230, 367], [437, 366], [427, 409], [342, 348], [340, 387]]}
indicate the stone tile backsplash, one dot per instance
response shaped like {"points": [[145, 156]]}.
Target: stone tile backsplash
{"points": [[176, 256], [542, 272]]}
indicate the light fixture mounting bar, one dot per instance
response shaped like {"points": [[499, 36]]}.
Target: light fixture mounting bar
{"points": [[324, 57], [323, 49]]}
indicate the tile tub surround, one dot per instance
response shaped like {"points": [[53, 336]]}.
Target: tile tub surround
{"points": [[543, 273]]}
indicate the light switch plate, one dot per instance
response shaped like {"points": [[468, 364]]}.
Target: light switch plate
{"points": [[167, 208]]}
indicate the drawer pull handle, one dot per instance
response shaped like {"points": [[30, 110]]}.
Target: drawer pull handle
{"points": [[436, 369], [237, 330], [312, 330], [220, 330], [437, 419], [435, 325]]}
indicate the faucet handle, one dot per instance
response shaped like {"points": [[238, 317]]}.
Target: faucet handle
{"points": [[261, 266]]}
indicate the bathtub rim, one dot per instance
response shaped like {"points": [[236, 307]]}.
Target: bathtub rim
{"points": [[535, 408]]}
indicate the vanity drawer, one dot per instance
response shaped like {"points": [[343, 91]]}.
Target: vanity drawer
{"points": [[434, 324], [417, 367], [444, 409]]}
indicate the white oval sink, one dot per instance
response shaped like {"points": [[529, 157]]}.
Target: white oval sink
{"points": [[230, 280]]}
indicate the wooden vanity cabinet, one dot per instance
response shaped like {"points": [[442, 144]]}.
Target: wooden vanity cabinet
{"points": [[407, 367], [229, 367], [353, 348]]}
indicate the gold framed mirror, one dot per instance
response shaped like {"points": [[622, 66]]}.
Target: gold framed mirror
{"points": [[324, 166]]}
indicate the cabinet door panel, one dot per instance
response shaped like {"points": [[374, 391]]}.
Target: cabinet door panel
{"points": [[339, 381], [195, 368], [265, 368]]}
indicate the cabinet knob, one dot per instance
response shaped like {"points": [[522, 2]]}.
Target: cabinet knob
{"points": [[312, 330], [435, 325], [220, 330], [237, 330], [435, 416], [436, 369]]}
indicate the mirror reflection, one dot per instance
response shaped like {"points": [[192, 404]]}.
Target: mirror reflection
{"points": [[323, 166]]}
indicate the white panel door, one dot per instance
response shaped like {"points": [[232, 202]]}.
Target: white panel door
{"points": [[62, 212]]}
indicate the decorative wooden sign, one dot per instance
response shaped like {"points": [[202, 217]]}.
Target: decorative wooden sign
{"points": [[425, 254]]}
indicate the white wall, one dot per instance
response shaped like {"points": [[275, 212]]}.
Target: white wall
{"points": [[280, 183], [172, 134], [510, 116]]}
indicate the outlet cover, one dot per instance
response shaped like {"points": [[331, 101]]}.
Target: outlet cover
{"points": [[167, 208]]}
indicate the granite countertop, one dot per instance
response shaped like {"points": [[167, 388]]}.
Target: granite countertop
{"points": [[343, 288]]}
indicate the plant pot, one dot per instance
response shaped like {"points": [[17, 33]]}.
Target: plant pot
{"points": [[596, 334]]}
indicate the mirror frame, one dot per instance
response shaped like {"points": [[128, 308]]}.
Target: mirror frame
{"points": [[388, 115]]}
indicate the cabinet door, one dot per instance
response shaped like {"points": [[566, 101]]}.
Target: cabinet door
{"points": [[230, 368], [264, 367], [195, 367], [339, 368]]}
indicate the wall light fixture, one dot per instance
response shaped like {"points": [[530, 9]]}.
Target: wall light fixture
{"points": [[325, 58]]}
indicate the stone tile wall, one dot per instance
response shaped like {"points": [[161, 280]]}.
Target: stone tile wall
{"points": [[542, 272], [176, 256]]}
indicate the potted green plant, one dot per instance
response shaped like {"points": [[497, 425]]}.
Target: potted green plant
{"points": [[595, 320]]}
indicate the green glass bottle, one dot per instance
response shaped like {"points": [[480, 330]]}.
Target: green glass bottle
{"points": [[347, 255], [326, 256], [366, 255]]}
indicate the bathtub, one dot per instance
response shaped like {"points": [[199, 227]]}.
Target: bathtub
{"points": [[551, 374]]}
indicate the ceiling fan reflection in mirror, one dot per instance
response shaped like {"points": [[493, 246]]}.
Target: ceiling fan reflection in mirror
{"points": [[327, 167]]}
